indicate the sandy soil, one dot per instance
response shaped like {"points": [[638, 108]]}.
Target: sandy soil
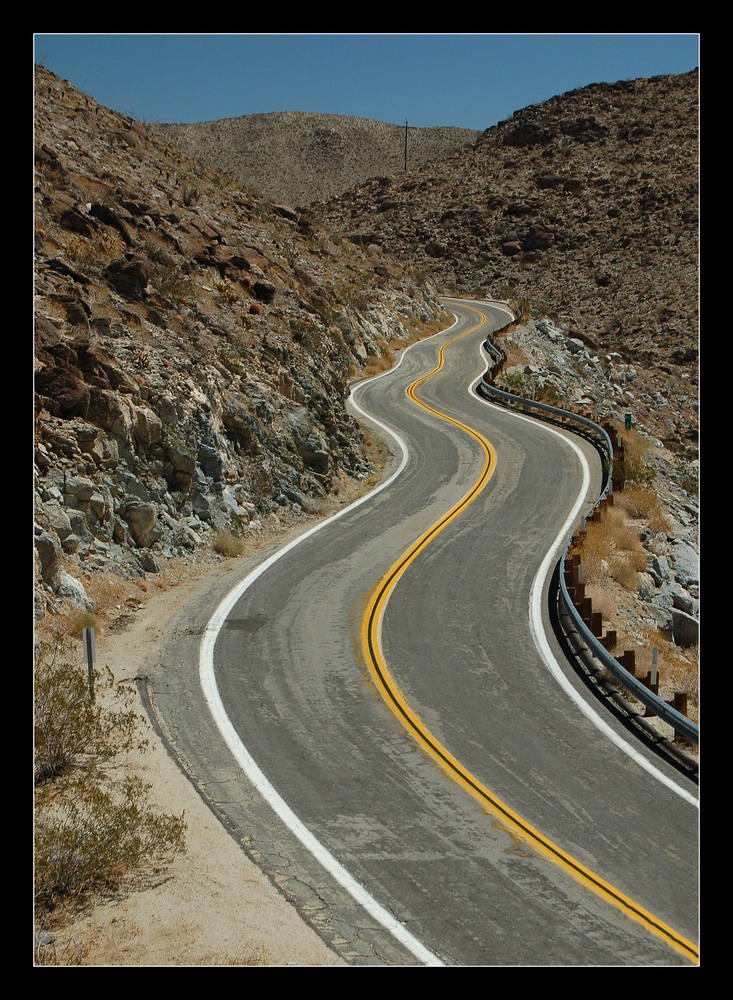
{"points": [[213, 906]]}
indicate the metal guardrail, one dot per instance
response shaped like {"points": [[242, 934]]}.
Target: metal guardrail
{"points": [[662, 709], [679, 722]]}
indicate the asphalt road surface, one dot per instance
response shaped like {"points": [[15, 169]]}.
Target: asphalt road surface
{"points": [[375, 713]]}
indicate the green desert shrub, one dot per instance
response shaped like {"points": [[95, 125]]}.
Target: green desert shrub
{"points": [[71, 729], [93, 836], [93, 822]]}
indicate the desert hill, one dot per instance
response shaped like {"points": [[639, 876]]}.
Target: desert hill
{"points": [[299, 157], [194, 340], [193, 346], [583, 209]]}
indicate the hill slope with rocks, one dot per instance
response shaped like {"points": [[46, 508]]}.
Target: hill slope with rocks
{"points": [[193, 346], [195, 338], [194, 341], [583, 209], [298, 157]]}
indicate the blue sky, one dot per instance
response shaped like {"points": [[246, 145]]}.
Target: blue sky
{"points": [[465, 80]]}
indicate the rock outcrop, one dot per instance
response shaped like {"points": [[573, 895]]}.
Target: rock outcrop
{"points": [[193, 347]]}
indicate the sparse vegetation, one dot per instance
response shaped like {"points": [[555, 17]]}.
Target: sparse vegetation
{"points": [[102, 248], [636, 470], [78, 620], [174, 282], [613, 548], [374, 448], [227, 291], [91, 837], [228, 544], [71, 730], [93, 829], [643, 504]]}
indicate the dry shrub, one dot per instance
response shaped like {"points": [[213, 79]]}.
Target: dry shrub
{"points": [[624, 572], [52, 950], [95, 835], [373, 448], [106, 590], [102, 248], [436, 326], [612, 548], [228, 544], [78, 620], [636, 470], [603, 601], [642, 504], [339, 483], [93, 827], [375, 367]]}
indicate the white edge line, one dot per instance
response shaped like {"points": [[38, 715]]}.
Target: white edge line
{"points": [[540, 636], [242, 756]]}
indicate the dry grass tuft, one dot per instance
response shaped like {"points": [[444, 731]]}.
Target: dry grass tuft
{"points": [[612, 548], [636, 470], [376, 366], [643, 504], [374, 448], [78, 620], [228, 545], [603, 601]]}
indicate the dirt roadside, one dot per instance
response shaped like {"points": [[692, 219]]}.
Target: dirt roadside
{"points": [[212, 906]]}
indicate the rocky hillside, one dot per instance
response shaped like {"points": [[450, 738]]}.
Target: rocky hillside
{"points": [[583, 209], [194, 340], [299, 158], [193, 344]]}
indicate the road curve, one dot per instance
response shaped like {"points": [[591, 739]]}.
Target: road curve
{"points": [[376, 843]]}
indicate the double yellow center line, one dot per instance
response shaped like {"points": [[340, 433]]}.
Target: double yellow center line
{"points": [[387, 687]]}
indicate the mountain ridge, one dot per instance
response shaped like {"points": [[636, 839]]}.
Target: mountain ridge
{"points": [[299, 157], [583, 209]]}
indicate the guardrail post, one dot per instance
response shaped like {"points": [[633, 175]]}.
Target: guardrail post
{"points": [[628, 661], [596, 624], [679, 702]]}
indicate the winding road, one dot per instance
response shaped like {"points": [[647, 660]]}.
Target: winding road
{"points": [[374, 710]]}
